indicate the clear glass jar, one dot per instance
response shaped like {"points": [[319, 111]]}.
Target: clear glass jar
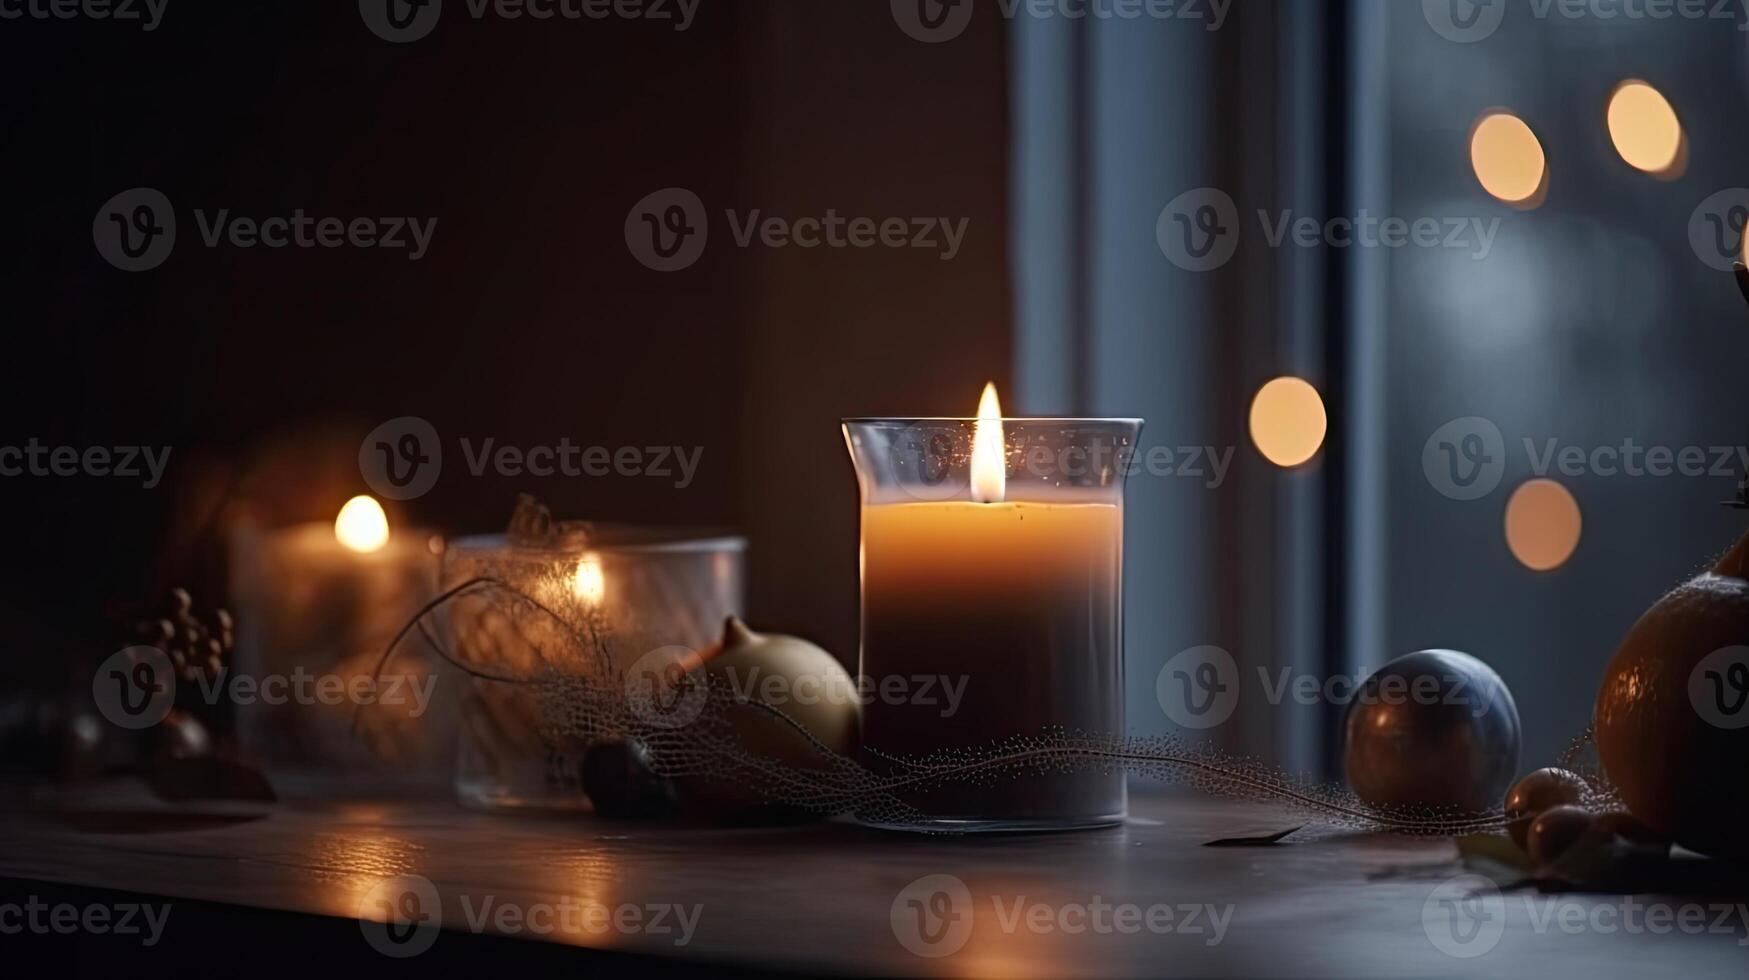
{"points": [[604, 599], [1007, 588]]}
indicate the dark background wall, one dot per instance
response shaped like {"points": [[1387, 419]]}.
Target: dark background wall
{"points": [[528, 321]]}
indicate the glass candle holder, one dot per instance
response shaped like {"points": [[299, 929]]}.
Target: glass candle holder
{"points": [[310, 609], [992, 559], [617, 592]]}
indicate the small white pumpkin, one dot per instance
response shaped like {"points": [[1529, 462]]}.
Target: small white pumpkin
{"points": [[792, 676]]}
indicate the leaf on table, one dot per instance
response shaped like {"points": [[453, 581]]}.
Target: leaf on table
{"points": [[209, 778], [1269, 840], [1591, 862], [1496, 849], [1614, 864]]}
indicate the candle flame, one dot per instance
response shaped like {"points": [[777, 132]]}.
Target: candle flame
{"points": [[361, 525], [588, 581], [989, 462]]}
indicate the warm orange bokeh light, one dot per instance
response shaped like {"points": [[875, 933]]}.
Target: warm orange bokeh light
{"points": [[1288, 421], [1644, 128], [1542, 524], [1508, 159]]}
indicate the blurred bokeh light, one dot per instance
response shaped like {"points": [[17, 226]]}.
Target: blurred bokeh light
{"points": [[1542, 524], [1288, 421], [1644, 129], [1508, 159]]}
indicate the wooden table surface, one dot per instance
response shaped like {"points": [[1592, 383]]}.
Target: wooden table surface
{"points": [[839, 898]]}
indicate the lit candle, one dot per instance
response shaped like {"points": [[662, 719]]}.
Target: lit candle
{"points": [[361, 526], [995, 568]]}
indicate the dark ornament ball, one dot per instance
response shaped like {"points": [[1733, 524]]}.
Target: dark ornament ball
{"points": [[1433, 729], [619, 780]]}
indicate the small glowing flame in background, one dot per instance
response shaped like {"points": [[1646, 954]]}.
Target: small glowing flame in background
{"points": [[989, 460], [588, 581], [362, 526]]}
